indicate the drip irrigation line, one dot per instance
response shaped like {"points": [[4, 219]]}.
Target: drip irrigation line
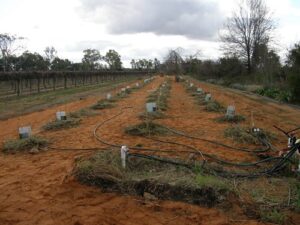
{"points": [[298, 128], [278, 166], [76, 149], [180, 133], [132, 148], [221, 172], [215, 158], [160, 159], [195, 150], [268, 172]]}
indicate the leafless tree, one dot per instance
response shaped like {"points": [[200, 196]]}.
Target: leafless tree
{"points": [[173, 61], [7, 47], [250, 26], [50, 53]]}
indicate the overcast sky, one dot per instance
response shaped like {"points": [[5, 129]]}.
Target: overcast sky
{"points": [[134, 28]]}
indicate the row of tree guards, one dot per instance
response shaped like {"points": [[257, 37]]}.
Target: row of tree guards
{"points": [[18, 83]]}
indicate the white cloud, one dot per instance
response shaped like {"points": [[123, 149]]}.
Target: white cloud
{"points": [[146, 30], [192, 18]]}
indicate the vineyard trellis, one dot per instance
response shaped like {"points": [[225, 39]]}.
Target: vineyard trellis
{"points": [[26, 83]]}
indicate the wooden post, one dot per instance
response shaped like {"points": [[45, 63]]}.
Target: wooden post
{"points": [[39, 83], [18, 87], [30, 85], [65, 81], [54, 82]]}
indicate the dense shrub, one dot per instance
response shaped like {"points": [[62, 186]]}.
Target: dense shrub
{"points": [[21, 145], [294, 83], [275, 93]]}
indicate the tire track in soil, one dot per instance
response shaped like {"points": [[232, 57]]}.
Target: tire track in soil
{"points": [[37, 189]]}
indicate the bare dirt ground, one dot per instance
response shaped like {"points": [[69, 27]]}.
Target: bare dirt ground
{"points": [[39, 189]]}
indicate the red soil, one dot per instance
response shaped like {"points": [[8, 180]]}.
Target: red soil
{"points": [[39, 189]]}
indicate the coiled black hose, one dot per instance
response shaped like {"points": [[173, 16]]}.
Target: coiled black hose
{"points": [[264, 142], [195, 150]]}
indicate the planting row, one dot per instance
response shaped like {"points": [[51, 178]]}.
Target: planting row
{"points": [[237, 133], [64, 120], [18, 83]]}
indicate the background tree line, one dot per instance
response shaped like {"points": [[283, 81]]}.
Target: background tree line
{"points": [[249, 56], [92, 60]]}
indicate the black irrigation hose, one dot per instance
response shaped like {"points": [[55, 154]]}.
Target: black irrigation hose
{"points": [[218, 160], [159, 159], [270, 171], [180, 133], [132, 148], [77, 149], [195, 150], [274, 169], [223, 173]]}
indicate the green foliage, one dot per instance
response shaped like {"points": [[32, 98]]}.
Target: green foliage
{"points": [[158, 178], [211, 181], [152, 115], [32, 62], [293, 70], [240, 134], [160, 96], [146, 128], [26, 144], [91, 59], [275, 93], [122, 95], [273, 216], [214, 106], [60, 64], [297, 187], [82, 113], [294, 83], [234, 119], [113, 59], [245, 135], [103, 104], [62, 124]]}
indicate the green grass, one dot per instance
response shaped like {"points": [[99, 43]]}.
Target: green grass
{"points": [[152, 115], [160, 96], [294, 185], [121, 95], [103, 104], [244, 135], [241, 135], [13, 106], [211, 181], [26, 144], [152, 98], [214, 106], [191, 89], [62, 124], [146, 128], [273, 216], [160, 179], [82, 113], [234, 119]]}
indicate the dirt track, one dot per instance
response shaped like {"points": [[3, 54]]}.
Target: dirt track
{"points": [[38, 189]]}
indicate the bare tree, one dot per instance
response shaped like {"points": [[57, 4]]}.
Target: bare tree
{"points": [[173, 61], [250, 26], [50, 53], [7, 47]]}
